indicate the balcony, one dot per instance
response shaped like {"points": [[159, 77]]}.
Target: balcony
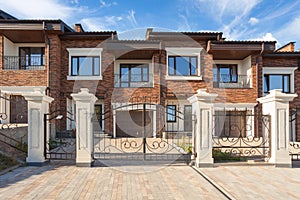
{"points": [[133, 81], [32, 62], [231, 81]]}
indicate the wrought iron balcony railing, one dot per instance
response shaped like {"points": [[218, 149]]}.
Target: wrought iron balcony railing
{"points": [[32, 62], [133, 81], [231, 81]]}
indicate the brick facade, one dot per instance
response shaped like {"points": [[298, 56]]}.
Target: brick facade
{"points": [[56, 71]]}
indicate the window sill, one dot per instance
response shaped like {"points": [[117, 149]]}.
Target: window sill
{"points": [[192, 78], [84, 78]]}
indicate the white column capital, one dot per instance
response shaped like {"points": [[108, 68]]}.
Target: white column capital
{"points": [[84, 96], [278, 96], [37, 96], [202, 95]]}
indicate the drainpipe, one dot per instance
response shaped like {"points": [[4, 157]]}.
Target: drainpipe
{"points": [[47, 41], [259, 76], [160, 71]]}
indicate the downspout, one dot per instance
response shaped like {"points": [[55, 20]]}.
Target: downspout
{"points": [[259, 76], [47, 41], [160, 71]]}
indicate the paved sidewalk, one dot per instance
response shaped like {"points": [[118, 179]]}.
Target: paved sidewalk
{"points": [[257, 182], [70, 182]]}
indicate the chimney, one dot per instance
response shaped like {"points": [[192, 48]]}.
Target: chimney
{"points": [[149, 30], [289, 47], [78, 28]]}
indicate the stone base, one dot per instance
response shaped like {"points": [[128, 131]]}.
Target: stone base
{"points": [[284, 165], [85, 164], [204, 165], [38, 164]]}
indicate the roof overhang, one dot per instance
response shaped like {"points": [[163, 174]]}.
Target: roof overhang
{"points": [[26, 31], [238, 50], [132, 49], [295, 54]]}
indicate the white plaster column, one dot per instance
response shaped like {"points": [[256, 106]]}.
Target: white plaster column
{"points": [[85, 102], [276, 104], [38, 105], [203, 109]]}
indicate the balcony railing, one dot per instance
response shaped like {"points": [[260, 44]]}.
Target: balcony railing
{"points": [[231, 81], [135, 81], [33, 62]]}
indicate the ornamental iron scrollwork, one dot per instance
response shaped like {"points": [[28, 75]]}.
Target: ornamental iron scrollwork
{"points": [[241, 135], [13, 123], [145, 143]]}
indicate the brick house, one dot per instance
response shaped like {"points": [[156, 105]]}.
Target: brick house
{"points": [[163, 70]]}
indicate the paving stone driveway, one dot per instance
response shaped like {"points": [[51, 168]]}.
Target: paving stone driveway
{"points": [[257, 182], [57, 181]]}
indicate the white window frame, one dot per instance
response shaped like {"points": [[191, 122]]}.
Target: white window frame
{"points": [[184, 52], [280, 71], [84, 52]]}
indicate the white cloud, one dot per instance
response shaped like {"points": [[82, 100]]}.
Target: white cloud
{"points": [[184, 24], [252, 21], [39, 9], [221, 10], [101, 23], [289, 32], [121, 22], [131, 18], [231, 15], [103, 4], [266, 37], [282, 9]]}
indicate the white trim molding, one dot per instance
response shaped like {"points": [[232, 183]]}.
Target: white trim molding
{"points": [[281, 70], [20, 90], [182, 51], [84, 52]]}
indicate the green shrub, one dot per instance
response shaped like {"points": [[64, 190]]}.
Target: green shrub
{"points": [[22, 146], [6, 162], [220, 156]]}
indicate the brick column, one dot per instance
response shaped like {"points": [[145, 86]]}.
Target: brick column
{"points": [[85, 102], [276, 104], [203, 109]]}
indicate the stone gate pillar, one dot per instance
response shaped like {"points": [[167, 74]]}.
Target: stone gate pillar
{"points": [[203, 109], [276, 104], [38, 105], [85, 102]]}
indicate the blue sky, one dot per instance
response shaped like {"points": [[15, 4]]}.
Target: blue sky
{"points": [[237, 19]]}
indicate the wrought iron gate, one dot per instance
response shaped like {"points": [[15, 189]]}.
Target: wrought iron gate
{"points": [[13, 124], [240, 135], [142, 133], [59, 143], [294, 148]]}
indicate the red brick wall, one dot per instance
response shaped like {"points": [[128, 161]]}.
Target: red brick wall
{"points": [[21, 77]]}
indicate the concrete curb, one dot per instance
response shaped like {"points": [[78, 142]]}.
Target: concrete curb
{"points": [[9, 169], [213, 183]]}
